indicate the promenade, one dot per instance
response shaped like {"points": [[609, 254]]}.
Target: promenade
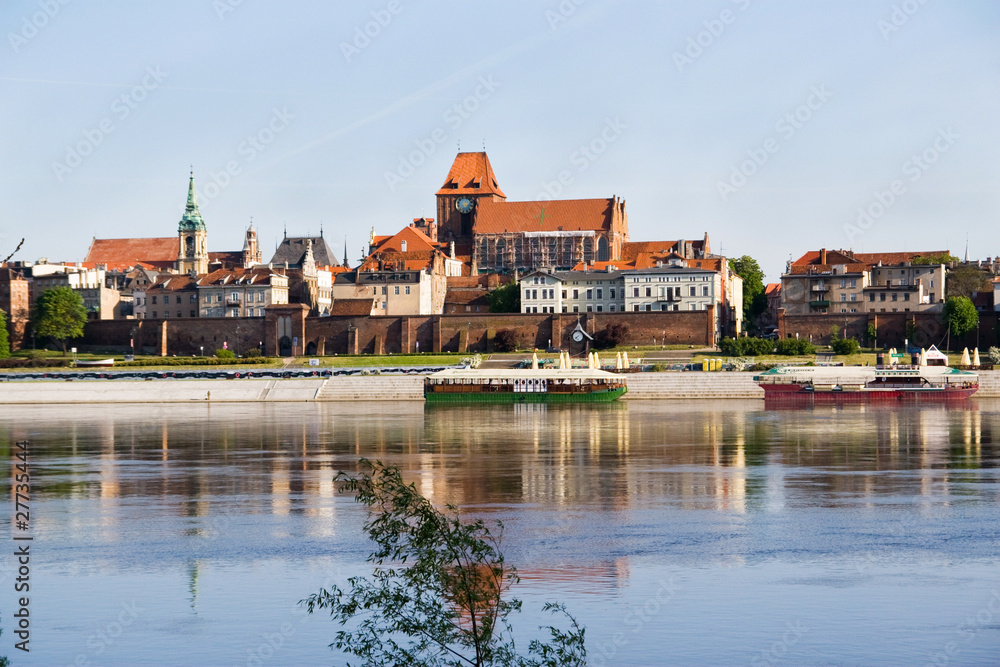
{"points": [[642, 386]]}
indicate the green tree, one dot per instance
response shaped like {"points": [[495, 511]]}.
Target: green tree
{"points": [[960, 315], [438, 592], [754, 299], [60, 315], [942, 258], [505, 298], [4, 339]]}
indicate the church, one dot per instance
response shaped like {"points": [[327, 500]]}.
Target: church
{"points": [[506, 237]]}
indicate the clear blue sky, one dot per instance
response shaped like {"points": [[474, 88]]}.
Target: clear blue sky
{"points": [[146, 89]]}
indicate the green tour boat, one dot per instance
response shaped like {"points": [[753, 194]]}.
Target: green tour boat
{"points": [[468, 385]]}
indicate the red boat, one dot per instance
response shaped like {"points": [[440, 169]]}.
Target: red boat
{"points": [[867, 384]]}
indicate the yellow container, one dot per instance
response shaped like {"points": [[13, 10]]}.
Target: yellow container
{"points": [[704, 364]]}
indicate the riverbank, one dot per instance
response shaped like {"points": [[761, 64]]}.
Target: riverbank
{"points": [[642, 386]]}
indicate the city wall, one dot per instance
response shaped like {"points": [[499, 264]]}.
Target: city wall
{"points": [[470, 332], [892, 329]]}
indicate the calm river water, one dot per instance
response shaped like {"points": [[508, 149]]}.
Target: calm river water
{"points": [[707, 533]]}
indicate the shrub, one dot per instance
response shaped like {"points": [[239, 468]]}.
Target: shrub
{"points": [[845, 346], [252, 353], [746, 347], [505, 340], [225, 354], [193, 361], [611, 336], [794, 347]]}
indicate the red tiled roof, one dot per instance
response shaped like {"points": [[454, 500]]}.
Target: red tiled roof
{"points": [[632, 249], [466, 297], [415, 240], [254, 276], [228, 258], [160, 253], [497, 217], [467, 171], [352, 307], [874, 258], [601, 266], [173, 283], [805, 269], [772, 289]]}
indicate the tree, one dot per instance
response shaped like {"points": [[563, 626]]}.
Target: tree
{"points": [[59, 314], [611, 336], [4, 339], [438, 592], [960, 315], [505, 298], [505, 340], [754, 299], [942, 258], [964, 280]]}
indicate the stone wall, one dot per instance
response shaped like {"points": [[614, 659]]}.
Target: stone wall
{"points": [[926, 329]]}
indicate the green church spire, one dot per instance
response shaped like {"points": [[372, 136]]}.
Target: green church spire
{"points": [[192, 220]]}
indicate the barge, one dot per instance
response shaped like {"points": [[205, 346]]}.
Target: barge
{"points": [[467, 385], [867, 384]]}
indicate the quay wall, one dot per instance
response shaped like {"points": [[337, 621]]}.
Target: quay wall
{"points": [[655, 386]]}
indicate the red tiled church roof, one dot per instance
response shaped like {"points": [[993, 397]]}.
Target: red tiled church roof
{"points": [[471, 174], [543, 216], [121, 254], [352, 307]]}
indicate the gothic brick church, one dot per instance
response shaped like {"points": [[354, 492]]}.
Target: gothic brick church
{"points": [[503, 237]]}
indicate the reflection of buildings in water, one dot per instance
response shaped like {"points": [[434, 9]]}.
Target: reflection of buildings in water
{"points": [[598, 578]]}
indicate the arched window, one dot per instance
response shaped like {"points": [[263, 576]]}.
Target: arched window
{"points": [[602, 250]]}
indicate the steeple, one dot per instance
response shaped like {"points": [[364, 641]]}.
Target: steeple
{"points": [[345, 251], [309, 261], [192, 220]]}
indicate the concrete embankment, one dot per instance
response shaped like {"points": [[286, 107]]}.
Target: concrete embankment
{"points": [[684, 386]]}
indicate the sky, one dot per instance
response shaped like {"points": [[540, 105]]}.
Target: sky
{"points": [[776, 126]]}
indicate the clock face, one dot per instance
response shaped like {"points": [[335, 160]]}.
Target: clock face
{"points": [[577, 336], [464, 205]]}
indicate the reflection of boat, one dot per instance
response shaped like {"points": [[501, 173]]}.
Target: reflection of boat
{"points": [[466, 385], [867, 384], [94, 362]]}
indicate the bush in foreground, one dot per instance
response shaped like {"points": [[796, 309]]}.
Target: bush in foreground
{"points": [[794, 347], [746, 347], [438, 591], [845, 346]]}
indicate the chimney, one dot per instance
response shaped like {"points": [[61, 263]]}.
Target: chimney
{"points": [[822, 256]]}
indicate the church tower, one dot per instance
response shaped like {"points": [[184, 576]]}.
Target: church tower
{"points": [[192, 254], [251, 251], [470, 179]]}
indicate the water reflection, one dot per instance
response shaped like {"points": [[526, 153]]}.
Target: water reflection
{"points": [[592, 495]]}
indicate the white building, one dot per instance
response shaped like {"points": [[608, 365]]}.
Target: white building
{"points": [[572, 292]]}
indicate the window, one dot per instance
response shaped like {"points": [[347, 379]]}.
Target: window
{"points": [[385, 290], [154, 312], [154, 301], [854, 283], [599, 308], [564, 294], [704, 290], [576, 309], [235, 296], [194, 298], [612, 308], [693, 306], [635, 292], [534, 294], [600, 294], [843, 283], [194, 313], [663, 306], [612, 292], [564, 309], [166, 314], [406, 289], [590, 308], [895, 296], [590, 294], [635, 307], [871, 296], [208, 298], [881, 296], [576, 295], [649, 291], [906, 297], [260, 297], [843, 297], [649, 307], [854, 297], [402, 246], [218, 297], [395, 289], [694, 291]]}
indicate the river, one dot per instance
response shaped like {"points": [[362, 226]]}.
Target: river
{"points": [[694, 533]]}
